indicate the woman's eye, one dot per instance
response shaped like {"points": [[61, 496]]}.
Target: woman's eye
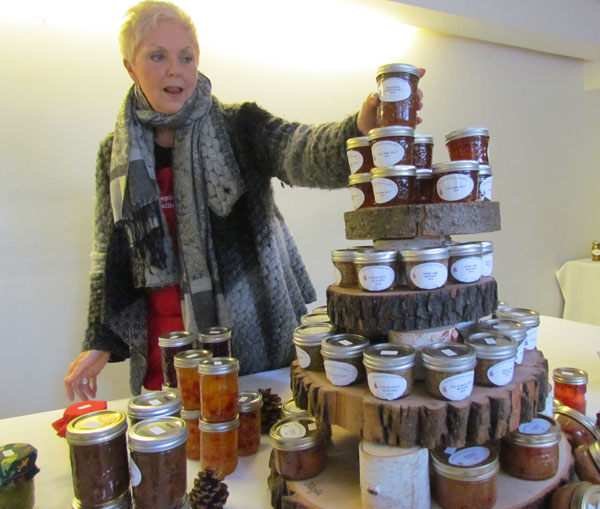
{"points": [[187, 59], [156, 57]]}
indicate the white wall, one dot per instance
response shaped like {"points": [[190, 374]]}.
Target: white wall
{"points": [[62, 86]]}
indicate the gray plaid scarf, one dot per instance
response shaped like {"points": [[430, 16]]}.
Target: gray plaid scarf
{"points": [[206, 174]]}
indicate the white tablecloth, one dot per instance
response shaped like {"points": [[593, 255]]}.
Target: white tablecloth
{"points": [[579, 282]]}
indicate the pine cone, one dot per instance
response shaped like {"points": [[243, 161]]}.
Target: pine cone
{"points": [[271, 410], [209, 492]]}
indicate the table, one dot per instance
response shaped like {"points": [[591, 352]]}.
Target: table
{"points": [[579, 282], [564, 343]]}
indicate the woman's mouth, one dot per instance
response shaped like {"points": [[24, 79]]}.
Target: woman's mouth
{"points": [[173, 90]]}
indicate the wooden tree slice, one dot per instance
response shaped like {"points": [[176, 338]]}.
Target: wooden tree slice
{"points": [[376, 313], [421, 420], [406, 221]]}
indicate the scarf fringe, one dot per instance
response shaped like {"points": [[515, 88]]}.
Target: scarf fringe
{"points": [[146, 230]]}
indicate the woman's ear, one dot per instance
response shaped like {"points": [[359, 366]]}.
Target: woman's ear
{"points": [[129, 68]]}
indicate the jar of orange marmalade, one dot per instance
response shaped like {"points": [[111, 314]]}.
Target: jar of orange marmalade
{"points": [[250, 404], [188, 378], [361, 191], [359, 155], [570, 386], [219, 445], [192, 446], [219, 389], [398, 86], [470, 143]]}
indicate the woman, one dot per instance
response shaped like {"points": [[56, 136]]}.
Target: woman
{"points": [[187, 234]]}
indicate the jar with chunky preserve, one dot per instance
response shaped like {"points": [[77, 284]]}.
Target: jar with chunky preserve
{"points": [[298, 448], [158, 462], [359, 155], [485, 179], [576, 495], [389, 370], [216, 340], [192, 446], [515, 330], [98, 452], [342, 358], [376, 271], [422, 151], [487, 258], [250, 404], [465, 478], [17, 487], [170, 345], [425, 269], [449, 370], [579, 428], [343, 268], [219, 445], [361, 191], [587, 462], [570, 385], [424, 185], [219, 389], [464, 262], [188, 379], [311, 318], [469, 143], [496, 354], [397, 85], [394, 185], [531, 452], [307, 340], [391, 145], [527, 317], [455, 181], [153, 404]]}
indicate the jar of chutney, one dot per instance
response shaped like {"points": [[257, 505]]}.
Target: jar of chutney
{"points": [[188, 378], [219, 389]]}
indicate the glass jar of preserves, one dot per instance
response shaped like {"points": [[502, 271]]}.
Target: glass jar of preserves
{"points": [[153, 404], [570, 386], [487, 258], [424, 185], [389, 370], [361, 191], [170, 345], [587, 462], [531, 452], [449, 370], [342, 358], [515, 330], [376, 271], [391, 145], [298, 448], [219, 389], [343, 266], [485, 179], [123, 502], [455, 181], [397, 85], [158, 462], [290, 409], [527, 317], [250, 404], [394, 185], [576, 495], [192, 446], [465, 478], [422, 151], [425, 269], [579, 428], [219, 445], [307, 340], [311, 318], [359, 155], [98, 451], [469, 143], [464, 262], [17, 487], [216, 340], [188, 379], [496, 354]]}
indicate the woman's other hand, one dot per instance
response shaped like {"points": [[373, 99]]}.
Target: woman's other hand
{"points": [[81, 377]]}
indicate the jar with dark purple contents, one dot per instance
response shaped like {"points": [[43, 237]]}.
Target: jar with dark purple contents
{"points": [[361, 191], [171, 344], [424, 185], [423, 151], [391, 145], [216, 340], [394, 185], [397, 85], [455, 181], [359, 155], [485, 182], [469, 143]]}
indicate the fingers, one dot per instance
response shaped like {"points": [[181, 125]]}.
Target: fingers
{"points": [[81, 377], [368, 114], [422, 72]]}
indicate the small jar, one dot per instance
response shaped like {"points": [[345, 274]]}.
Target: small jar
{"points": [[576, 495], [153, 404], [290, 409], [394, 185], [170, 345], [188, 379], [192, 446], [216, 340], [464, 262], [465, 478], [98, 451], [587, 462], [424, 185], [158, 462], [449, 370], [250, 404], [219, 445], [342, 358], [391, 145], [527, 317], [359, 155], [469, 143], [425, 269], [311, 318], [596, 250], [515, 330], [361, 191], [397, 85], [531, 452], [17, 487], [485, 179], [487, 259], [307, 340], [389, 370], [496, 354], [422, 151], [298, 448], [343, 268], [455, 181], [219, 389], [570, 385], [579, 428], [376, 271]]}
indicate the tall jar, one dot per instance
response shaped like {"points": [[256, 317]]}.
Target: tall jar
{"points": [[527, 317], [188, 378], [359, 155], [219, 445], [153, 404], [170, 345], [425, 269], [469, 143], [487, 258], [464, 262], [515, 330], [485, 179], [394, 185], [342, 358], [496, 354], [192, 446], [250, 404], [449, 370], [397, 85], [376, 271], [343, 267], [424, 185], [423, 151], [17, 486], [391, 145], [158, 462], [455, 182], [219, 389], [570, 386], [216, 340], [361, 191], [307, 340], [389, 370]]}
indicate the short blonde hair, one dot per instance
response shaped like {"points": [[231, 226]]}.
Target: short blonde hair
{"points": [[145, 16]]}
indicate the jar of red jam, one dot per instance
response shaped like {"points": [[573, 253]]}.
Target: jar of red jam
{"points": [[425, 269], [376, 271], [570, 385], [397, 85], [219, 445], [470, 143], [531, 452], [188, 379], [250, 404], [216, 340], [424, 185], [391, 145], [389, 370], [422, 151], [464, 262], [192, 446], [219, 389], [464, 478], [576, 495], [455, 181], [487, 258], [579, 428], [527, 317], [171, 344], [515, 330], [496, 354], [311, 318], [359, 155], [307, 340], [394, 185], [153, 404], [449, 370], [485, 182], [361, 191], [342, 358], [158, 462]]}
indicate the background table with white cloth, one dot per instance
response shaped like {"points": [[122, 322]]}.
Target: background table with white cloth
{"points": [[579, 282]]}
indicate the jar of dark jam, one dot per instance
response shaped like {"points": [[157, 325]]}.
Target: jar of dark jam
{"points": [[123, 502], [153, 404], [192, 446], [361, 191], [487, 258], [250, 404], [98, 451], [424, 185], [579, 428], [464, 262], [17, 484], [391, 145], [422, 151], [515, 330], [216, 340], [425, 269], [342, 358], [470, 143], [527, 317], [219, 389], [587, 462], [307, 340], [570, 385], [485, 182], [359, 155], [170, 345], [397, 85], [455, 181], [158, 462], [576, 495], [496, 354], [311, 318], [464, 478], [219, 445], [394, 185], [376, 271], [188, 379], [389, 370]]}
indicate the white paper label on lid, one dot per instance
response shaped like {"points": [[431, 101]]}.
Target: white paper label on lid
{"points": [[394, 89], [83, 407], [535, 427], [312, 426], [531, 339], [448, 353], [355, 160], [485, 188], [376, 278], [568, 373], [501, 326], [457, 387], [387, 153], [487, 264], [384, 189], [218, 363], [467, 269], [345, 342], [469, 456], [502, 373], [292, 430], [8, 453], [155, 402], [454, 187], [490, 341], [92, 424], [357, 197], [243, 399], [156, 431], [340, 373], [429, 275], [388, 352], [387, 386], [135, 475], [303, 358]]}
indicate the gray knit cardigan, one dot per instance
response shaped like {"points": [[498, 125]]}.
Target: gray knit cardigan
{"points": [[265, 283]]}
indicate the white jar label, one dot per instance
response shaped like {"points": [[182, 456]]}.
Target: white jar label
{"points": [[429, 275], [375, 278], [457, 387], [340, 373], [303, 358], [595, 252], [357, 197], [520, 350], [535, 427], [467, 269], [338, 275], [454, 187], [502, 372], [487, 264], [384, 189], [485, 188], [355, 160], [387, 153], [387, 386], [469, 456], [531, 339], [292, 430], [394, 89], [135, 475]]}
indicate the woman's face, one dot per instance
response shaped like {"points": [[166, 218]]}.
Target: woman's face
{"points": [[165, 66]]}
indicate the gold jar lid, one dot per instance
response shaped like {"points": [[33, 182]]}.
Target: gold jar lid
{"points": [[344, 346], [219, 366], [96, 427], [398, 170], [359, 178], [190, 358], [153, 404], [542, 431], [466, 132], [451, 166], [312, 334], [586, 496], [315, 318], [176, 338], [219, 427], [395, 68], [290, 409], [157, 434], [359, 141], [571, 376], [375, 256], [515, 330], [392, 130], [465, 464], [492, 345], [578, 417], [295, 433], [424, 255], [464, 249], [388, 356], [424, 138], [527, 317], [448, 357], [249, 401], [214, 334]]}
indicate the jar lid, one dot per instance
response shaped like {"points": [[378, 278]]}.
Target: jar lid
{"points": [[190, 358], [515, 330], [501, 305], [542, 431], [464, 249], [465, 464], [359, 141], [390, 68], [315, 318], [582, 419], [96, 427], [18, 463], [424, 255], [219, 427], [122, 502], [214, 334], [389, 356], [594, 449], [485, 170], [451, 166], [375, 256], [295, 433], [399, 170], [290, 409], [320, 309], [492, 345], [219, 366], [527, 317], [423, 138], [448, 356], [157, 434], [392, 130], [176, 338], [190, 415], [359, 178], [571, 376], [424, 173], [487, 247], [344, 346], [313, 334], [467, 131], [586, 496], [154, 404], [249, 401]]}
